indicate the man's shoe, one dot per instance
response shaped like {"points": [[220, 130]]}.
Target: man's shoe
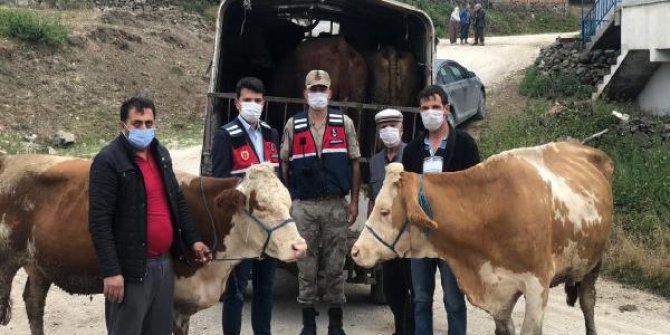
{"points": [[308, 321], [335, 321]]}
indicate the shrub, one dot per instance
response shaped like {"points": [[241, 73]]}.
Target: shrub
{"points": [[33, 27]]}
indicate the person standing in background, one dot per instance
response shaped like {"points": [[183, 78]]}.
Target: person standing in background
{"points": [[465, 24], [479, 24], [454, 21]]}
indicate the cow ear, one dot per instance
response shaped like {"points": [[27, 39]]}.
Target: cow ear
{"points": [[231, 200], [409, 193]]}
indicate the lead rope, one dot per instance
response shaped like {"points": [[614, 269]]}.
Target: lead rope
{"points": [[425, 205], [203, 197]]}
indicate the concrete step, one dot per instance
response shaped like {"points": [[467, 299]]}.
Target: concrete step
{"points": [[606, 78], [628, 76]]}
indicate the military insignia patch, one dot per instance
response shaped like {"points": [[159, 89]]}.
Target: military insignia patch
{"points": [[245, 155]]}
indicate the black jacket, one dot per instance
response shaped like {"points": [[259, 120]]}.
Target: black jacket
{"points": [[460, 154], [222, 149], [118, 210], [480, 18]]}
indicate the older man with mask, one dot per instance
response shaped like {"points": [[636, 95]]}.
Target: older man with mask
{"points": [[319, 156], [441, 148], [396, 273]]}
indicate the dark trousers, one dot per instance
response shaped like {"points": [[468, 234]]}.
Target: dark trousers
{"points": [[423, 280], [397, 274], [147, 306], [262, 273], [479, 35], [465, 31]]}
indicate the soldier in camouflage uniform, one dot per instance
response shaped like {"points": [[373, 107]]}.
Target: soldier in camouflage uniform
{"points": [[319, 156]]}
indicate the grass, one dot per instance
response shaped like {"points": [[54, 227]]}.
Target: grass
{"points": [[554, 85], [502, 22], [639, 254], [33, 27]]}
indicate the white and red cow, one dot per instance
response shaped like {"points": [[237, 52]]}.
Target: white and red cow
{"points": [[44, 229], [517, 224]]}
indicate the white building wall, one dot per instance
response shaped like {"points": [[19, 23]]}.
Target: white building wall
{"points": [[645, 24], [655, 97]]}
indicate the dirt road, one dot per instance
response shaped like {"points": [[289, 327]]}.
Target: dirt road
{"points": [[619, 310], [501, 57]]}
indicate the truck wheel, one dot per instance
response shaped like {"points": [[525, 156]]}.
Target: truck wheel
{"points": [[377, 289]]}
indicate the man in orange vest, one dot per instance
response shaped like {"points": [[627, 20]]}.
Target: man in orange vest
{"points": [[320, 165], [238, 145]]}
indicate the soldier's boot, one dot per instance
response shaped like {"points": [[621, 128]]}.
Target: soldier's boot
{"points": [[308, 321], [335, 321]]}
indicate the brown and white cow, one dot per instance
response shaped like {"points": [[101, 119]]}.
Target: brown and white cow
{"points": [[44, 229], [519, 223]]}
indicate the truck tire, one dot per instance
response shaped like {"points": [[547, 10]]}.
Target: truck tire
{"points": [[377, 288]]}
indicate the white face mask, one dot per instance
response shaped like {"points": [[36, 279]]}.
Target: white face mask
{"points": [[251, 112], [390, 136], [317, 101], [432, 119]]}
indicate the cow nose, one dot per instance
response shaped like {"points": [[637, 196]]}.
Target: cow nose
{"points": [[354, 252], [299, 248]]}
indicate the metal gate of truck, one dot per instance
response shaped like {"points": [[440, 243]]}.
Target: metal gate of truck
{"points": [[279, 109]]}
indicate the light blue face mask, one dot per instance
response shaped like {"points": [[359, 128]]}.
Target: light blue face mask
{"points": [[140, 138]]}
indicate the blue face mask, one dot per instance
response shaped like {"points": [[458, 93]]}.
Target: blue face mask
{"points": [[140, 138]]}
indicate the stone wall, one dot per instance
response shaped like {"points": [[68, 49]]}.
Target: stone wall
{"points": [[566, 56]]}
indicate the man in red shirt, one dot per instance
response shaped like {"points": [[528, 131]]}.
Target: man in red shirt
{"points": [[137, 218]]}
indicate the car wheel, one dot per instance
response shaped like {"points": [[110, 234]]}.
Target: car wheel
{"points": [[481, 107]]}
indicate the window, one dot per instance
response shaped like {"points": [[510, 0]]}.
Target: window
{"points": [[457, 72], [445, 76]]}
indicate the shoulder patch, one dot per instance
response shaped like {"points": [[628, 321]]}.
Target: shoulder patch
{"points": [[234, 130]]}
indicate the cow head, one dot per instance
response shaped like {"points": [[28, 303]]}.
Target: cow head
{"points": [[393, 227], [261, 220]]}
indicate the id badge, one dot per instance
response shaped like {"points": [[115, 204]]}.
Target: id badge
{"points": [[432, 164]]}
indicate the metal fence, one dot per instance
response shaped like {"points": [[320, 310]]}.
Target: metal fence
{"points": [[596, 17]]}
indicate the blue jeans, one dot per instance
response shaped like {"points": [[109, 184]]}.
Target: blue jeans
{"points": [[423, 280], [262, 274]]}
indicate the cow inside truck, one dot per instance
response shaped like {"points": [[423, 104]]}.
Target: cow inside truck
{"points": [[379, 54]]}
